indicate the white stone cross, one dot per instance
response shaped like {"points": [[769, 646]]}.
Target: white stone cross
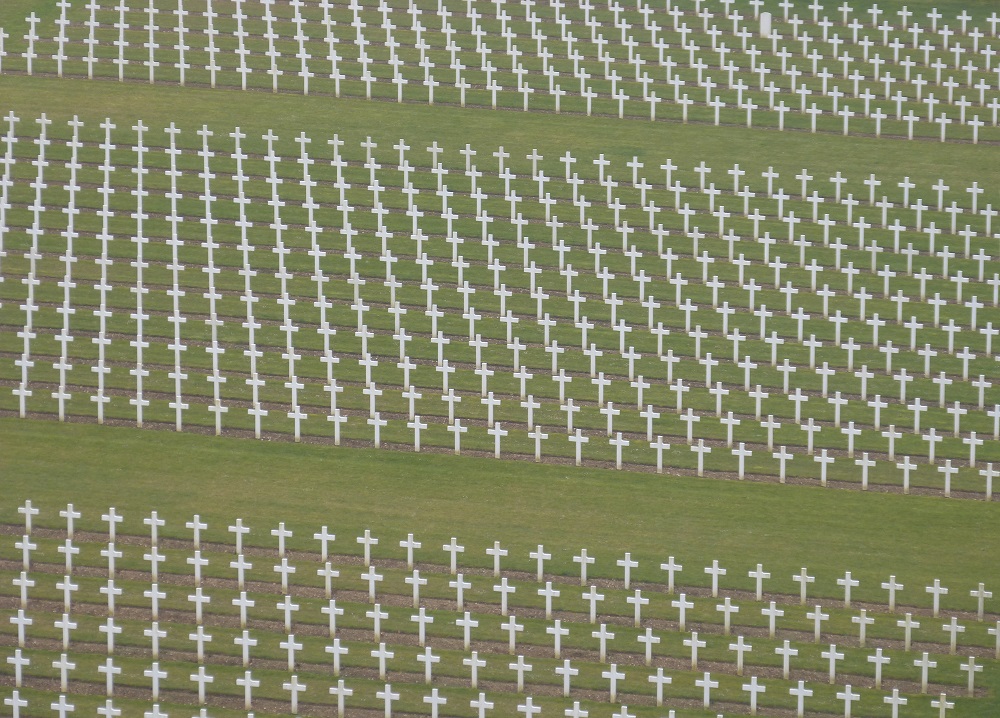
{"points": [[817, 617], [497, 553], [613, 675], [409, 544], [557, 632], [707, 684], [540, 557], [342, 692], [593, 597], [848, 583], [715, 571], [638, 601], [584, 560], [694, 643], [924, 664], [628, 564], [368, 541], [324, 537], [154, 523], [863, 621], [936, 590], [386, 693], [548, 593], [453, 549], [70, 515], [196, 525], [671, 568], [567, 672], [240, 531]]}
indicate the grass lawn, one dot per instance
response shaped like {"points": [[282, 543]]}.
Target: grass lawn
{"points": [[484, 500]]}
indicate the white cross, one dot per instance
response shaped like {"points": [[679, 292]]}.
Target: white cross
{"points": [[454, 549], [324, 538], [801, 693], [368, 541], [382, 654], [110, 670], [248, 683], [707, 684], [953, 628], [69, 514], [740, 647], [19, 662], [372, 577], [474, 662], [891, 586], [481, 705], [557, 631], [671, 568], [694, 643], [924, 663], [715, 572], [878, 660], [638, 601], [108, 710], [26, 547], [529, 708], [239, 530], [972, 669], [197, 527], [613, 675], [409, 544], [62, 707], [388, 696], [154, 523], [22, 622], [521, 667], [422, 619], [497, 553], [584, 560], [863, 621], [849, 697], [895, 700], [460, 585], [832, 655], [434, 700], [980, 594], [416, 582], [848, 583], [628, 564], [328, 573], [937, 590], [817, 617], [201, 678], [567, 672], [16, 703], [548, 593], [281, 533], [759, 575], [70, 551], [341, 691], [541, 557]]}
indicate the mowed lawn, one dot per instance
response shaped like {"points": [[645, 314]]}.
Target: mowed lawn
{"points": [[483, 500], [480, 501]]}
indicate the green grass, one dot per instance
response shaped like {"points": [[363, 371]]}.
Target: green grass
{"points": [[518, 133], [437, 496], [482, 500]]}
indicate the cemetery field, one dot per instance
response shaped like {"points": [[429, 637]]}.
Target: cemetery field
{"points": [[518, 132], [481, 501], [471, 358]]}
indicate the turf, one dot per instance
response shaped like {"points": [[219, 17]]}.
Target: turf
{"points": [[485, 500]]}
